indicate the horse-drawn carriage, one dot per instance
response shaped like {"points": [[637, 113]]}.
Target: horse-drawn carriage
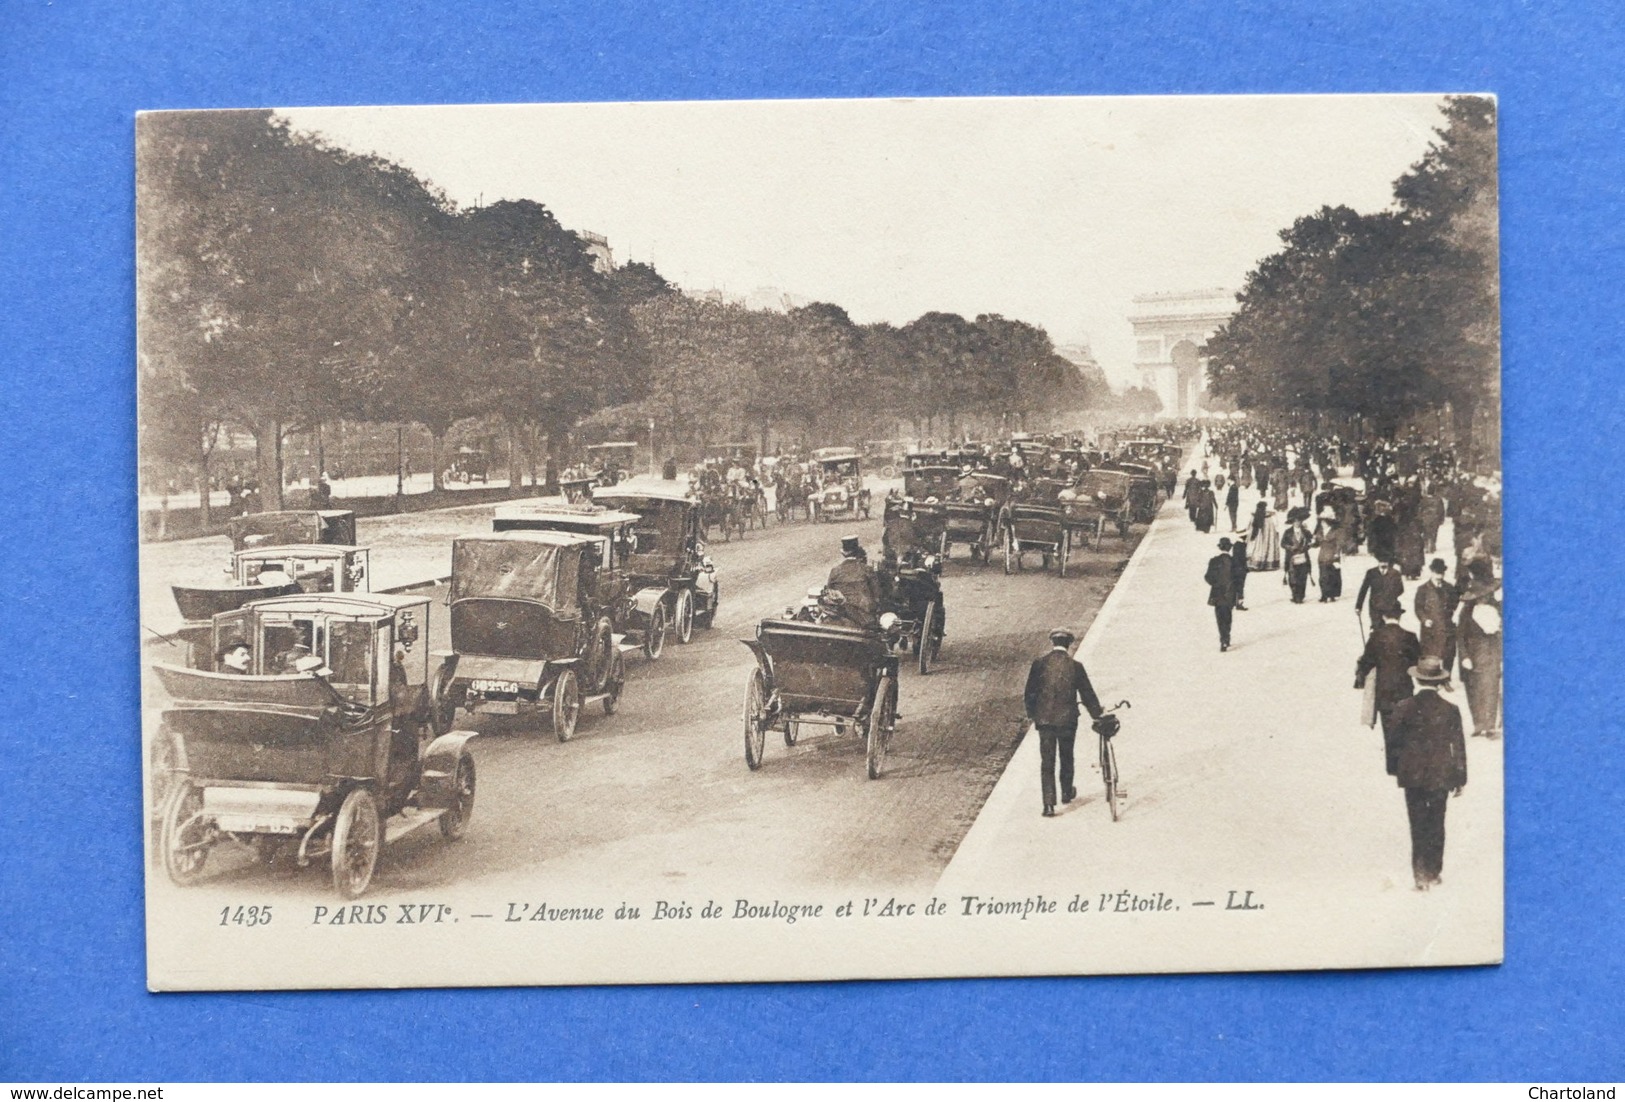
{"points": [[527, 634], [318, 749], [973, 512], [1035, 521], [820, 674]]}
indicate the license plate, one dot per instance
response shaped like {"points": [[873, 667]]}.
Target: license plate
{"points": [[485, 685]]}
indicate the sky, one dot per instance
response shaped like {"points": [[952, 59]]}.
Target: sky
{"points": [[1056, 211]]}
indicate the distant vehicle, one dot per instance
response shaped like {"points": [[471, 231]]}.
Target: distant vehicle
{"points": [[469, 465], [334, 527], [1145, 488], [669, 552], [974, 509], [526, 633], [613, 462], [1100, 498], [320, 750], [841, 491], [1037, 522]]}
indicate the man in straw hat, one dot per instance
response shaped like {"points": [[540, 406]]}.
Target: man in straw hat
{"points": [[1431, 764], [1055, 685]]}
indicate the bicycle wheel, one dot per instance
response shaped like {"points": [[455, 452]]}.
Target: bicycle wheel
{"points": [[1108, 774]]}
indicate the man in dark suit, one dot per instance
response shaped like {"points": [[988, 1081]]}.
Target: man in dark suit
{"points": [[1384, 585], [1436, 601], [856, 581], [1221, 591], [1431, 756], [1390, 652], [1055, 685], [1193, 487], [1232, 501], [1238, 571]]}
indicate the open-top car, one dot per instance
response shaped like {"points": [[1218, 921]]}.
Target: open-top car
{"points": [[912, 595], [669, 553], [527, 634], [820, 674], [290, 527], [613, 461], [640, 609], [913, 528], [841, 490], [318, 748]]}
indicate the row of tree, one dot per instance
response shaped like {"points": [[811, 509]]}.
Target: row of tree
{"points": [[284, 283], [1387, 316]]}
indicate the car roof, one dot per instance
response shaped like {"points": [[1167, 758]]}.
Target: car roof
{"points": [[302, 550], [578, 516], [352, 604], [557, 539], [662, 493]]}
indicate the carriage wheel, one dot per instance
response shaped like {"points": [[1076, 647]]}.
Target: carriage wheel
{"points": [[654, 637], [922, 643], [684, 620], [356, 841], [1066, 550], [882, 718], [603, 656], [615, 685], [442, 704], [1011, 556], [566, 705], [185, 838], [942, 546], [454, 823], [792, 732], [755, 714]]}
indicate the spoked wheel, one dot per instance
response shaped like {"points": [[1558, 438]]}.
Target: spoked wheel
{"points": [[882, 718], [603, 656], [454, 823], [923, 643], [792, 732], [186, 837], [442, 702], [1066, 551], [1108, 774], [684, 620], [935, 638], [755, 714], [566, 705], [942, 547], [164, 763], [1012, 557], [654, 639], [356, 841], [615, 685]]}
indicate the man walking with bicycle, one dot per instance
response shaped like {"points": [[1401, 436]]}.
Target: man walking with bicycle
{"points": [[1055, 685]]}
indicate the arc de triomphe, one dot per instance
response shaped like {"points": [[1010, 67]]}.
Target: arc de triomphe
{"points": [[1170, 328]]}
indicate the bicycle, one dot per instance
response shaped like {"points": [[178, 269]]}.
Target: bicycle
{"points": [[1106, 726]]}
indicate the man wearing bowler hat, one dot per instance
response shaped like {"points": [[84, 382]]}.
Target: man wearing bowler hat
{"points": [[1431, 760], [1055, 685]]}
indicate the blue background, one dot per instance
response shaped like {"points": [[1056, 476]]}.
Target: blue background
{"points": [[72, 1002]]}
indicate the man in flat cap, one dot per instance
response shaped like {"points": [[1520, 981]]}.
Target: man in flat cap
{"points": [[856, 580], [1055, 685]]}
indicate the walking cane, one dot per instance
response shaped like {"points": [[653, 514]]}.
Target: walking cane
{"points": [[1359, 616]]}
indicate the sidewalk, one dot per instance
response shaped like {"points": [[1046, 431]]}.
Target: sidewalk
{"points": [[1246, 770]]}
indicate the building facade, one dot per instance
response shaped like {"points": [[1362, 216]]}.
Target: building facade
{"points": [[1170, 328]]}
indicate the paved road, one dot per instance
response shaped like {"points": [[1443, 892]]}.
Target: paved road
{"points": [[659, 794]]}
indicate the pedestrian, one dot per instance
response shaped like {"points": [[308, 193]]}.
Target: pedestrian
{"points": [[1329, 556], [1431, 760], [1479, 638], [1238, 570], [1206, 507], [1435, 605], [1056, 684], [1384, 586], [1232, 501], [1192, 489], [1221, 591], [1263, 540], [1382, 534], [1390, 652], [1295, 544]]}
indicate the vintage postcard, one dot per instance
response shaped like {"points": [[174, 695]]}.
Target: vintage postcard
{"points": [[633, 543]]}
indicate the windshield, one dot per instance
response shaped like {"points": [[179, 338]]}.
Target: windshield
{"points": [[514, 568]]}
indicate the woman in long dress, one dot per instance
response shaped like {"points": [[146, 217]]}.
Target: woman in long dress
{"points": [[1263, 540]]}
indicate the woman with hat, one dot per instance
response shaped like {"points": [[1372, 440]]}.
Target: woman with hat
{"points": [[1263, 540], [1329, 555], [1430, 759]]}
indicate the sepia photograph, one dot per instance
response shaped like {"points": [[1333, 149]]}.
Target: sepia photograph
{"points": [[628, 543]]}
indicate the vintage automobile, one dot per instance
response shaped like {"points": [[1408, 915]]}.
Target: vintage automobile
{"points": [[320, 749], [614, 461], [940, 482], [469, 465], [669, 552], [1036, 521], [913, 527], [820, 674], [841, 491], [639, 611], [577, 491], [291, 527], [1099, 498], [912, 594], [1145, 488], [525, 633], [978, 500]]}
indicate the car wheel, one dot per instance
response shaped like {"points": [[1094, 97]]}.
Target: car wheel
{"points": [[186, 839], [566, 705], [684, 620], [654, 637], [454, 823], [356, 841]]}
